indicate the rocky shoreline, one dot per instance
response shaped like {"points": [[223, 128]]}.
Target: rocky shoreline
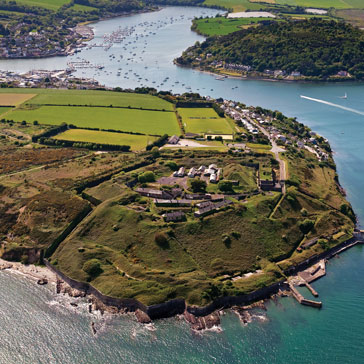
{"points": [[199, 318]]}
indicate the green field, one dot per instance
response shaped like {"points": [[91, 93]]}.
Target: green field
{"points": [[223, 26], [141, 121], [90, 97], [49, 4], [243, 5], [79, 7], [136, 142], [338, 4], [4, 109], [204, 120], [236, 5]]}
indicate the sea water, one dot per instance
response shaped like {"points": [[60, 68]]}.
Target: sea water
{"points": [[38, 327]]}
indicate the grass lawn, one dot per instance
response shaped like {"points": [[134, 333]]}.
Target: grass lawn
{"points": [[204, 120], [136, 142], [49, 4], [13, 99], [4, 109], [90, 97], [338, 4], [147, 122], [236, 5], [223, 26], [79, 7]]}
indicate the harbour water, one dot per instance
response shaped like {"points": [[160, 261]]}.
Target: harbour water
{"points": [[37, 327]]}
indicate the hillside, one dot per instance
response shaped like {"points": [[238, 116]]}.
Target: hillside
{"points": [[178, 222], [315, 48]]}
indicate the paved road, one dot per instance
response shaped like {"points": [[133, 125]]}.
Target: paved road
{"points": [[276, 149]]}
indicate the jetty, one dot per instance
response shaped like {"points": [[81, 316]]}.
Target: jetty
{"points": [[304, 278]]}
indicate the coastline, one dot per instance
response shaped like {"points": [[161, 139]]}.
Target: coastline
{"points": [[268, 79], [200, 318], [72, 48]]}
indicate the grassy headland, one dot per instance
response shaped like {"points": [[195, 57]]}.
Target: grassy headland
{"points": [[132, 227]]}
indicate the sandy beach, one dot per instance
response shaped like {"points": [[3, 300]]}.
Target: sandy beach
{"points": [[38, 273]]}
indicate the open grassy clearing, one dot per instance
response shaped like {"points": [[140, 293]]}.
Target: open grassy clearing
{"points": [[99, 98], [338, 4], [48, 4], [136, 142], [4, 110], [204, 120], [223, 26], [90, 97], [79, 7], [141, 121], [236, 5], [13, 99], [353, 16]]}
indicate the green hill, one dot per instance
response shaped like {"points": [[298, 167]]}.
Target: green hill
{"points": [[315, 48]]}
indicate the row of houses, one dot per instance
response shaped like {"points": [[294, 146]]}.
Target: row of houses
{"points": [[160, 194], [212, 171], [208, 207], [204, 209]]}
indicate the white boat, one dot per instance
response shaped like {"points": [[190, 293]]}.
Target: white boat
{"points": [[344, 97]]}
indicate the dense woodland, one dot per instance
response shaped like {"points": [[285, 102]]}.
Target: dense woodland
{"points": [[315, 48]]}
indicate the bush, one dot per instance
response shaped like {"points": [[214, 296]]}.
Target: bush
{"points": [[162, 240], [198, 185], [146, 177], [92, 267], [155, 152], [226, 240], [226, 186], [172, 165], [306, 225]]}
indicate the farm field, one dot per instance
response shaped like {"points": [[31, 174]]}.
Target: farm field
{"points": [[141, 121], [338, 4], [79, 7], [136, 142], [49, 4], [13, 99], [353, 16], [90, 97], [4, 110], [236, 5], [204, 120], [223, 26]]}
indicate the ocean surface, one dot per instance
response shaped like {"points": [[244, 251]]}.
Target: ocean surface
{"points": [[38, 327]]}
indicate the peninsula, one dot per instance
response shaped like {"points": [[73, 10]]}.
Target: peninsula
{"points": [[197, 199], [312, 50]]}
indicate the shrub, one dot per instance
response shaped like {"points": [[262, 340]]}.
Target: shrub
{"points": [[146, 177], [92, 267], [198, 185], [226, 240], [306, 225], [161, 239], [226, 186], [155, 152], [172, 165]]}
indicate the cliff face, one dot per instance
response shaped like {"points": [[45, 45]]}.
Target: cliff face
{"points": [[24, 255], [169, 308]]}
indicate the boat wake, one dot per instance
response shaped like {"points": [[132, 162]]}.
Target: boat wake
{"points": [[334, 105]]}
